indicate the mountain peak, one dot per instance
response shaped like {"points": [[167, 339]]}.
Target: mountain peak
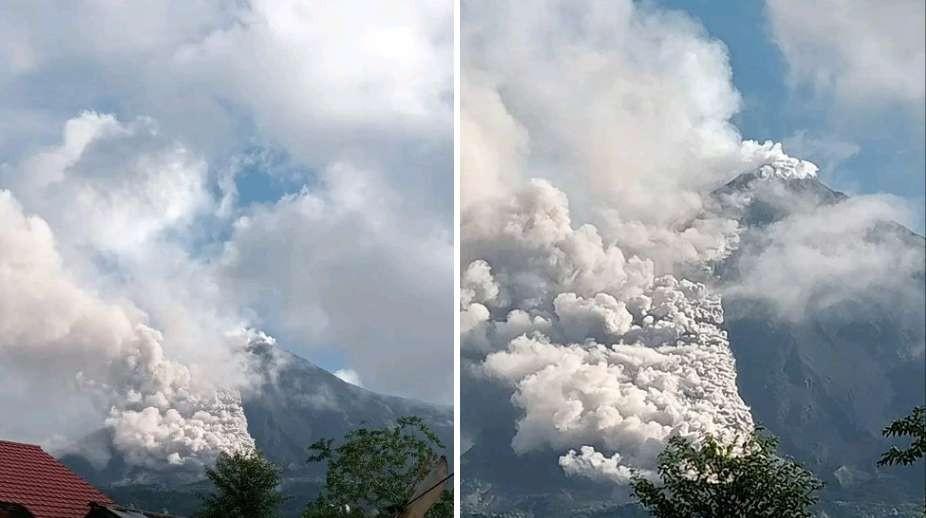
{"points": [[770, 161], [787, 168], [773, 190]]}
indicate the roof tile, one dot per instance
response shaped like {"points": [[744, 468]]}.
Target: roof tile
{"points": [[34, 479]]}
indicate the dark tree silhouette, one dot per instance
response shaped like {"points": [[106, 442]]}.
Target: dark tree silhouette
{"points": [[912, 426], [718, 480], [246, 486]]}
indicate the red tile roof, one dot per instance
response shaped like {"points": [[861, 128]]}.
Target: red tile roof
{"points": [[34, 479]]}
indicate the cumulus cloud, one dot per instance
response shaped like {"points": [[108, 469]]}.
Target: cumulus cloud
{"points": [[866, 53], [110, 185], [346, 79], [136, 146], [381, 295]]}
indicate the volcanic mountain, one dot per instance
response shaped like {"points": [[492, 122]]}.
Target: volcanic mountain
{"points": [[825, 357], [827, 376], [294, 404]]}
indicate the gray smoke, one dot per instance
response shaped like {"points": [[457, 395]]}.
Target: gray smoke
{"points": [[605, 359], [588, 232], [158, 412]]}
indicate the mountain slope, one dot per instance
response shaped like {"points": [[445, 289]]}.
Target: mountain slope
{"points": [[298, 402], [825, 357], [293, 404], [829, 378]]}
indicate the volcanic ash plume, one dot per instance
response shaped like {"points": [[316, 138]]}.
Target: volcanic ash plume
{"points": [[606, 360], [160, 414]]}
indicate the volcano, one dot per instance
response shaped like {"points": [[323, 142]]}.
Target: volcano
{"points": [[824, 367], [294, 404]]}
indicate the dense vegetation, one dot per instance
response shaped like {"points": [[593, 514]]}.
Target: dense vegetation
{"points": [[375, 472], [372, 472], [718, 480], [246, 486]]}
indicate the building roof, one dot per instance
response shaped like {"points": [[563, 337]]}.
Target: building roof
{"points": [[48, 489]]}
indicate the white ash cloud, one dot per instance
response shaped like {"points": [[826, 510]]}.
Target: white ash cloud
{"points": [[130, 144], [605, 359], [122, 205], [604, 321], [633, 112], [159, 411], [633, 120], [126, 203], [596, 318]]}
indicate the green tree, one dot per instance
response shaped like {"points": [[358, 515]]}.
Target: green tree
{"points": [[912, 426], [718, 480], [444, 507], [373, 472], [246, 486]]}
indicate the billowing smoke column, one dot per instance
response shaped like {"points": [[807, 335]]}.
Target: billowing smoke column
{"points": [[592, 134], [161, 415], [606, 360]]}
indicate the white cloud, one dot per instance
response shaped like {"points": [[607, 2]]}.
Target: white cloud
{"points": [[113, 186], [323, 81], [158, 409], [612, 100], [330, 83], [865, 53], [820, 257], [349, 375], [342, 265], [128, 143]]}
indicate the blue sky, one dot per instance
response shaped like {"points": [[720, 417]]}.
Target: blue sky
{"points": [[878, 149]]}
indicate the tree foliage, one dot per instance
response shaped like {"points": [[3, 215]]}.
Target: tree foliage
{"points": [[912, 426], [444, 507], [718, 480], [373, 472], [246, 486]]}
